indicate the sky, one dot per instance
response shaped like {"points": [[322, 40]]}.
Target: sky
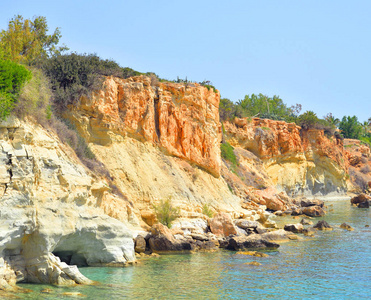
{"points": [[313, 52]]}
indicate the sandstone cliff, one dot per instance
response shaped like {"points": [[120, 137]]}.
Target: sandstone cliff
{"points": [[158, 141], [300, 162]]}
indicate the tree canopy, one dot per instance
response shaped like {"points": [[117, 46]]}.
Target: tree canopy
{"points": [[27, 41]]}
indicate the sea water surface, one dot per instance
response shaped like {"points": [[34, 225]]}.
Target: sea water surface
{"points": [[332, 265]]}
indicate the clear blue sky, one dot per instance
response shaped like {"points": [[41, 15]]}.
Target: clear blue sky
{"points": [[313, 52]]}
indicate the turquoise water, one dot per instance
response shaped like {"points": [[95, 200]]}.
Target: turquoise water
{"points": [[333, 265]]}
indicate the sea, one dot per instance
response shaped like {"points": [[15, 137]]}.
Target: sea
{"points": [[331, 265]]}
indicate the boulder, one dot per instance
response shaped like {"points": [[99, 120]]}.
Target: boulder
{"points": [[296, 212], [162, 240], [222, 225], [313, 211], [245, 224], [311, 202], [361, 198], [254, 241], [140, 244], [296, 228], [322, 225]]}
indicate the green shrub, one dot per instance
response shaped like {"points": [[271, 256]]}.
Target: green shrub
{"points": [[227, 153], [75, 74], [206, 210], [166, 213], [12, 78]]}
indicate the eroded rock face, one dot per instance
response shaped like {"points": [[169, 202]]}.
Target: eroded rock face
{"points": [[182, 119], [297, 161], [51, 213]]}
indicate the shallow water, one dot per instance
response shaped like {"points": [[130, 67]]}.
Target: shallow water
{"points": [[333, 265]]}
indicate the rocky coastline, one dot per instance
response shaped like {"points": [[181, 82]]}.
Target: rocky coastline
{"points": [[158, 142]]}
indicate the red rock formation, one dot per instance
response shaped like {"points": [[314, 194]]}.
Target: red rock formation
{"points": [[182, 119], [295, 159]]}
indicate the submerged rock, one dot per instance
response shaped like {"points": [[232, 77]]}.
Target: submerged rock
{"points": [[305, 221], [322, 225], [346, 227], [296, 228]]}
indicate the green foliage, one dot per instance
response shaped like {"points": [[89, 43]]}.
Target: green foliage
{"points": [[350, 127], [256, 105], [206, 210], [227, 109], [307, 120], [12, 78], [166, 213], [26, 41], [75, 74], [34, 98], [227, 153]]}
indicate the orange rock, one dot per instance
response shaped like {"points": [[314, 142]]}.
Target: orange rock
{"points": [[222, 225], [182, 119]]}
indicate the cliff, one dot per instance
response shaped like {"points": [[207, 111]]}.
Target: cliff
{"points": [[158, 141], [299, 162], [50, 210]]}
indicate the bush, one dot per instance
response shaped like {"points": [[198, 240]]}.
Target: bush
{"points": [[12, 78], [34, 98], [307, 120], [165, 212], [206, 210], [227, 153], [75, 74]]}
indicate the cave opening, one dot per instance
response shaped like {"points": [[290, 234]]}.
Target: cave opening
{"points": [[71, 258]]}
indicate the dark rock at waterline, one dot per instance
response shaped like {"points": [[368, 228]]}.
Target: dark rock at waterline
{"points": [[162, 240], [140, 244], [204, 245], [311, 202], [254, 241], [322, 225], [365, 204], [296, 212], [361, 198], [295, 228], [313, 211]]}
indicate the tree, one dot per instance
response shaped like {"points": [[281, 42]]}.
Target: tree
{"points": [[350, 127], [227, 109], [264, 106], [332, 120], [26, 41]]}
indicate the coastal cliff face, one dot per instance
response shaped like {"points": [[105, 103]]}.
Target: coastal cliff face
{"points": [[183, 120], [50, 211], [158, 141], [297, 161]]}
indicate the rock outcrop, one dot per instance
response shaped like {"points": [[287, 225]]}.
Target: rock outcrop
{"points": [[297, 161], [51, 213]]}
